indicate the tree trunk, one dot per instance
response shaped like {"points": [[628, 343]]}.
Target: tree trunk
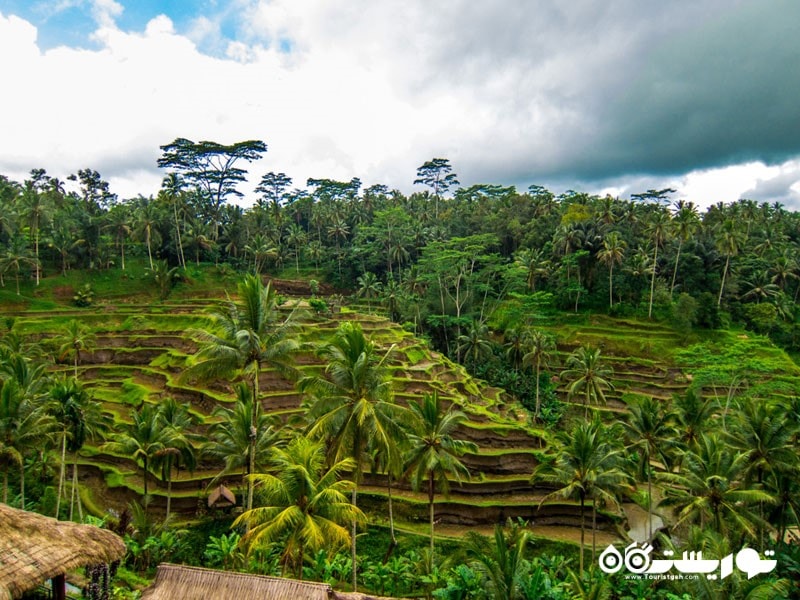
{"points": [[353, 500], [653, 283], [393, 539], [594, 530], [169, 486], [538, 401], [431, 508], [22, 484], [611, 286], [61, 473], [251, 468], [675, 270], [721, 287], [583, 531]]}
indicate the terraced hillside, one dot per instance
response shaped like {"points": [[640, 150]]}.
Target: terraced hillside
{"points": [[142, 351]]}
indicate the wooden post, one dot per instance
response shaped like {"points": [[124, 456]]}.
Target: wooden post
{"points": [[60, 587]]}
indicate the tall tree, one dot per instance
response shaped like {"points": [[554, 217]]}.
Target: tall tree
{"points": [[211, 167], [436, 174], [247, 338], [582, 456], [352, 406], [728, 239], [588, 376], [541, 346], [306, 504], [649, 429], [434, 452], [658, 228], [685, 222], [612, 253], [75, 338]]}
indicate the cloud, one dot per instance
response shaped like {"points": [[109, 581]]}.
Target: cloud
{"points": [[583, 95]]}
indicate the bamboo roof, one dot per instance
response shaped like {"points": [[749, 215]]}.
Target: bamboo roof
{"points": [[195, 583], [35, 548]]}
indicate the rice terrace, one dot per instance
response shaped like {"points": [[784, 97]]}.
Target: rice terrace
{"points": [[444, 408]]}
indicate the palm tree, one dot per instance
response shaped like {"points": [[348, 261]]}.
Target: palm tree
{"points": [[230, 436], [433, 452], [612, 253], [685, 223], [147, 220], [368, 287], [352, 407], [75, 338], [534, 263], [709, 489], [691, 414], [250, 337], [296, 238], [16, 256], [501, 563], [119, 222], [34, 210], [588, 375], [172, 192], [763, 433], [585, 464], [728, 240], [67, 399], [177, 419], [541, 347], [658, 228], [475, 343], [649, 429], [306, 504], [517, 341], [143, 440], [24, 424]]}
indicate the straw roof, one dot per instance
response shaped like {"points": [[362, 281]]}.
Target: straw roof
{"points": [[195, 583], [35, 548], [221, 496]]}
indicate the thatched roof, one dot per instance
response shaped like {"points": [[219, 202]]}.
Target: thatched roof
{"points": [[35, 548], [221, 496], [194, 583]]}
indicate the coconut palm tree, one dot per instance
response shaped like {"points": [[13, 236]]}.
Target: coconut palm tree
{"points": [[658, 228], [250, 336], [352, 406], [584, 464], [180, 451], [368, 287], [516, 342], [306, 504], [434, 453], [502, 562], [24, 424], [17, 256], [709, 489], [691, 414], [147, 219], [684, 224], [728, 239], [230, 436], [475, 343], [649, 430], [588, 376], [541, 347], [76, 337], [143, 440], [612, 253], [763, 433]]}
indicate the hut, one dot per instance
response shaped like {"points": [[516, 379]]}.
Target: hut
{"points": [[35, 548], [221, 497], [195, 583]]}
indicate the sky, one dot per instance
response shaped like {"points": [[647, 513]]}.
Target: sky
{"points": [[605, 97]]}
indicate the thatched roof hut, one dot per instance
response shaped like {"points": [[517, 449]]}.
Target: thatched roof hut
{"points": [[194, 583], [221, 497], [35, 548]]}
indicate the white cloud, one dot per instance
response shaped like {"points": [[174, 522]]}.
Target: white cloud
{"points": [[509, 92]]}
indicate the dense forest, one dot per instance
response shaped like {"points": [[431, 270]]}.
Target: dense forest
{"points": [[483, 275]]}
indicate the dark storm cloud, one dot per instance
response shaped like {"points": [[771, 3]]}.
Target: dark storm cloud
{"points": [[723, 91], [590, 90]]}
